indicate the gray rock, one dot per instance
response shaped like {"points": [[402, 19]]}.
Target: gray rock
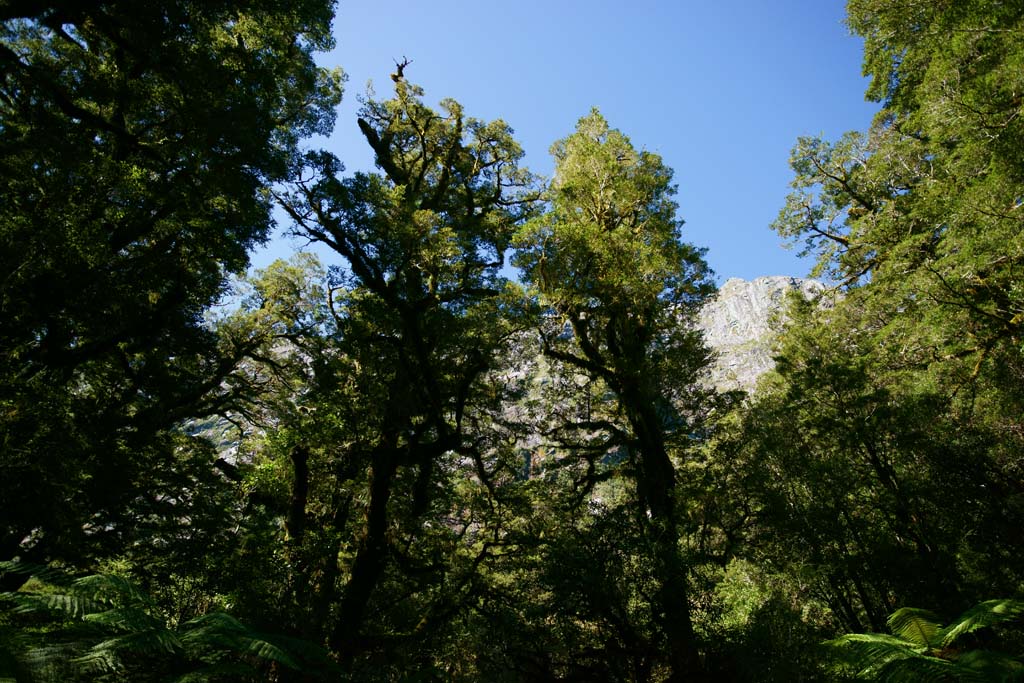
{"points": [[740, 324]]}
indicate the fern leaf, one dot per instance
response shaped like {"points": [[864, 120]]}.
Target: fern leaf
{"points": [[985, 665], [71, 605], [263, 648], [39, 572], [98, 662], [313, 655], [126, 619], [222, 631], [110, 589], [870, 653], [151, 641], [12, 642], [982, 615], [214, 621], [51, 662], [917, 669], [919, 626], [219, 630]]}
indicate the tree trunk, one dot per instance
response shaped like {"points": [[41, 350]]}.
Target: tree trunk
{"points": [[369, 562], [656, 488], [295, 523]]}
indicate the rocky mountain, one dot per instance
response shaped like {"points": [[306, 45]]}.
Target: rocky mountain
{"points": [[740, 322]]}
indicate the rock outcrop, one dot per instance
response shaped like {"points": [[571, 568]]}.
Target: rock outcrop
{"points": [[740, 323]]}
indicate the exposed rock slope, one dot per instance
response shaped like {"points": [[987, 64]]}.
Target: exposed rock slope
{"points": [[738, 324]]}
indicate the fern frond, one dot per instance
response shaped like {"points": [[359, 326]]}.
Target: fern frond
{"points": [[209, 623], [132, 624], [311, 653], [919, 668], [125, 619], [151, 641], [106, 656], [51, 662], [919, 626], [985, 665], [982, 615], [222, 631], [39, 572], [105, 661], [265, 649], [71, 605], [111, 589], [12, 642], [870, 653], [890, 659], [83, 597]]}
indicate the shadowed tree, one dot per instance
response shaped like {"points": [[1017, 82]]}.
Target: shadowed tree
{"points": [[422, 311], [136, 143]]}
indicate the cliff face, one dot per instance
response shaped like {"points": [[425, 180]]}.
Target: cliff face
{"points": [[738, 324]]}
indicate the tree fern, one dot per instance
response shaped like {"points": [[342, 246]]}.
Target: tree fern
{"points": [[982, 615], [228, 633], [920, 649], [102, 624], [918, 626]]}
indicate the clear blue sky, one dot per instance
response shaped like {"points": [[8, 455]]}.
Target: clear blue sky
{"points": [[720, 88]]}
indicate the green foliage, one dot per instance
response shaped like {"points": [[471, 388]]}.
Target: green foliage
{"points": [[395, 460], [917, 626], [758, 625], [611, 237], [983, 615], [135, 148], [880, 455], [102, 624], [923, 210], [607, 261], [440, 474], [922, 649]]}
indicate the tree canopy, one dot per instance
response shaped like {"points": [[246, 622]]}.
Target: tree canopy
{"points": [[480, 440], [137, 142]]}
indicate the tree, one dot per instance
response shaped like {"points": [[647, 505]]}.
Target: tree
{"points": [[921, 361], [923, 211], [607, 261], [876, 494], [137, 142], [421, 311]]}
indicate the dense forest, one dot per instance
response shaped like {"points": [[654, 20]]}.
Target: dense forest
{"points": [[477, 442]]}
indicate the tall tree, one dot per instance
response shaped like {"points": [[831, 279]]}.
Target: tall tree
{"points": [[925, 208], [136, 144], [607, 260], [422, 311], [911, 384], [861, 485]]}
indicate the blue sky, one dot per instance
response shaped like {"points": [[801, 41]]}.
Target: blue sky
{"points": [[720, 88]]}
